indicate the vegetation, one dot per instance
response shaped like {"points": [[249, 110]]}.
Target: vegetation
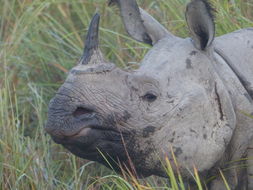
{"points": [[40, 40]]}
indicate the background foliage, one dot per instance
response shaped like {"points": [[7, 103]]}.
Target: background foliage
{"points": [[40, 40]]}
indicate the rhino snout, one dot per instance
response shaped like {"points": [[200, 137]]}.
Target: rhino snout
{"points": [[65, 121]]}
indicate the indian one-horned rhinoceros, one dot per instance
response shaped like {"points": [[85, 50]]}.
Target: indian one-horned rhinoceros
{"points": [[193, 96]]}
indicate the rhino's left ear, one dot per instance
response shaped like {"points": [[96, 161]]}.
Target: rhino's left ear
{"points": [[200, 20]]}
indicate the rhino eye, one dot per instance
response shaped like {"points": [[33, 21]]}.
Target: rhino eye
{"points": [[149, 97]]}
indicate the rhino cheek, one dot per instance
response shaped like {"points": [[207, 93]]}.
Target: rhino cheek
{"points": [[195, 131]]}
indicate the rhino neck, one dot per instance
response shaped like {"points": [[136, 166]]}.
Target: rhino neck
{"points": [[234, 82], [238, 86], [237, 50]]}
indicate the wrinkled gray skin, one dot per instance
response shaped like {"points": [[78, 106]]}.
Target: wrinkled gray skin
{"points": [[189, 95]]}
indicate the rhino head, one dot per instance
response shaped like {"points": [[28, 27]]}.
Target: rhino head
{"points": [[174, 102]]}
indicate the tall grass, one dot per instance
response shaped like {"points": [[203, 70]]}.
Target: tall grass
{"points": [[40, 40]]}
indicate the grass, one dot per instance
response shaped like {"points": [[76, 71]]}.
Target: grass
{"points": [[40, 40]]}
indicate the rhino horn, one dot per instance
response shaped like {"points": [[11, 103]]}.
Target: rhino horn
{"points": [[139, 24], [91, 53]]}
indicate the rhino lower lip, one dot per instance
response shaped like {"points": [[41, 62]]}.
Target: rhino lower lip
{"points": [[82, 133], [69, 139], [85, 131]]}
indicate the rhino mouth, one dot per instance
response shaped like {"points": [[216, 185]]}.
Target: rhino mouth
{"points": [[99, 144], [88, 135], [91, 139]]}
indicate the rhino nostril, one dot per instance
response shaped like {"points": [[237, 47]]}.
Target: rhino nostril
{"points": [[82, 111]]}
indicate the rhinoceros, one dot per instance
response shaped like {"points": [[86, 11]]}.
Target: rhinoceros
{"points": [[191, 98]]}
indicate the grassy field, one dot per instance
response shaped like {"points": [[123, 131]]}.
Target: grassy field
{"points": [[40, 40]]}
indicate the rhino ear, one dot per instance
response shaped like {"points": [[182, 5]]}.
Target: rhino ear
{"points": [[139, 24], [200, 20]]}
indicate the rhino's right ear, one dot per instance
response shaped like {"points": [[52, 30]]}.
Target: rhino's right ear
{"points": [[200, 20], [139, 24]]}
